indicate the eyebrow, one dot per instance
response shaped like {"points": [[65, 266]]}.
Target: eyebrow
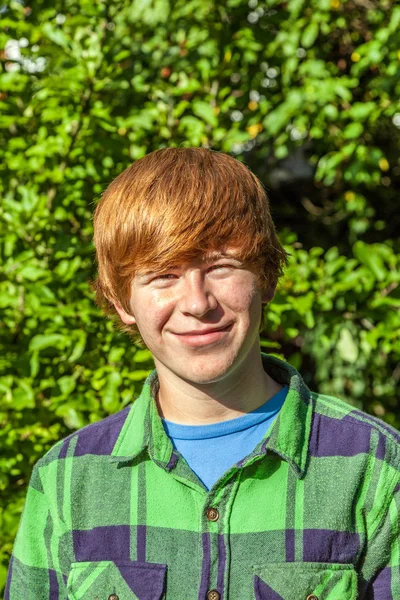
{"points": [[216, 255]]}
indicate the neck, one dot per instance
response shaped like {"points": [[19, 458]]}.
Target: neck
{"points": [[187, 403]]}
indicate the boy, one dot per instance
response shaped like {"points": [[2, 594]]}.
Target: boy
{"points": [[227, 478]]}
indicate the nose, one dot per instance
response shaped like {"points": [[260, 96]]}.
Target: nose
{"points": [[197, 298]]}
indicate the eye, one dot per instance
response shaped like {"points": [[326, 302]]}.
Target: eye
{"points": [[164, 277], [221, 267]]}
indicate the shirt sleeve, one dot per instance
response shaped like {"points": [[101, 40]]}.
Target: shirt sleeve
{"points": [[34, 571], [382, 560]]}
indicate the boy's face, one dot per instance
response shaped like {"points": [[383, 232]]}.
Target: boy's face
{"points": [[200, 320]]}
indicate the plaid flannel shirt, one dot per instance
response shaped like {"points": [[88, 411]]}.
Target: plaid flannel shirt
{"points": [[113, 512]]}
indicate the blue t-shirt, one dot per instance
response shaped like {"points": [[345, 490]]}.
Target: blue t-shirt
{"points": [[210, 450]]}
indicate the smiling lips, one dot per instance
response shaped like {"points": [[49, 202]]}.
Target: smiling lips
{"points": [[204, 336], [203, 331]]}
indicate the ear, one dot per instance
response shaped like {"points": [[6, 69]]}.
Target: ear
{"points": [[125, 317], [269, 293]]}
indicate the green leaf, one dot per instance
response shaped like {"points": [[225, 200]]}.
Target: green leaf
{"points": [[3, 576], [23, 396], [34, 364], [233, 137], [67, 384], [116, 354], [139, 374], [143, 356], [205, 111], [309, 36], [57, 36], [52, 340], [353, 130], [110, 397], [32, 273], [193, 128], [370, 256], [79, 347], [346, 346], [361, 110], [73, 419]]}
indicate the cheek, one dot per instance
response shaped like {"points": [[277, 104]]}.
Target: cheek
{"points": [[243, 297], [159, 308], [149, 310], [249, 307], [152, 314]]}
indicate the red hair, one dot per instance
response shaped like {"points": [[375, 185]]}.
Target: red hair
{"points": [[172, 206]]}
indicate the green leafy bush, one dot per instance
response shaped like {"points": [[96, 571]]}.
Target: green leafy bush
{"points": [[304, 92]]}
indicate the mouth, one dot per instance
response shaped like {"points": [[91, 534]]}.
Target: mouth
{"points": [[205, 331], [204, 337]]}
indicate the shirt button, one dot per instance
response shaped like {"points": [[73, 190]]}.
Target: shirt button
{"points": [[212, 515], [312, 597], [213, 595], [113, 597]]}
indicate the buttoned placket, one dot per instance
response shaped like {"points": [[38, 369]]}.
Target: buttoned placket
{"points": [[215, 532], [215, 557]]}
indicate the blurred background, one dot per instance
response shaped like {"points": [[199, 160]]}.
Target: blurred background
{"points": [[306, 93]]}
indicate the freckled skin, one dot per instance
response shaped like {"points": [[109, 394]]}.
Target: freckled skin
{"points": [[203, 296]]}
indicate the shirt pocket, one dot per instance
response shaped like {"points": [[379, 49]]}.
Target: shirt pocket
{"points": [[119, 580], [305, 581]]}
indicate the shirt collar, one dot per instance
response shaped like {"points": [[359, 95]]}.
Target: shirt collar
{"points": [[143, 429], [288, 437], [290, 434]]}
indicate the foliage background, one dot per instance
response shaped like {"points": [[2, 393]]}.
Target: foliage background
{"points": [[303, 91]]}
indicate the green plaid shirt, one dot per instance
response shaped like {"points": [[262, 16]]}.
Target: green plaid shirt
{"points": [[113, 512]]}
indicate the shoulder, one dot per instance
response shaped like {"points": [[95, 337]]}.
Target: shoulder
{"points": [[339, 429], [96, 439]]}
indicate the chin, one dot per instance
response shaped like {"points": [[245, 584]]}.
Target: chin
{"points": [[211, 373]]}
